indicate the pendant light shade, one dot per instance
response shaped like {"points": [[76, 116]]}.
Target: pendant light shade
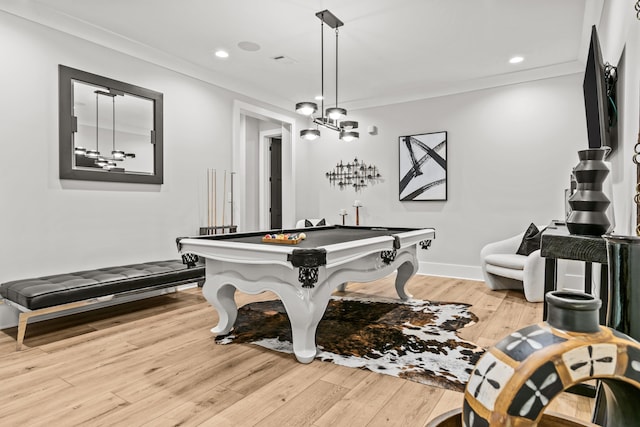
{"points": [[349, 136], [336, 113], [306, 108], [310, 134], [330, 117], [348, 125]]}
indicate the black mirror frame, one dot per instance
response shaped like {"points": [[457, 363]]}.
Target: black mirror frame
{"points": [[67, 124]]}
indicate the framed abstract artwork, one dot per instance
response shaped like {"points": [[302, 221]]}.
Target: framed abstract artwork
{"points": [[423, 166]]}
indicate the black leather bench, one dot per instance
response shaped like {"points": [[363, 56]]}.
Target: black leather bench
{"points": [[60, 292]]}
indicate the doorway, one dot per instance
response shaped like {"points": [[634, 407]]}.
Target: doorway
{"points": [[275, 182], [248, 201]]}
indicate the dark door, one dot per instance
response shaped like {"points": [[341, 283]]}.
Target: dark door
{"points": [[275, 180]]}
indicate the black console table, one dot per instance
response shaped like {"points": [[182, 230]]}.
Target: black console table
{"points": [[558, 243]]}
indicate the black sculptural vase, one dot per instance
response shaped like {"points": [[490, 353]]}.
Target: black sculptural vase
{"points": [[589, 203], [623, 257]]}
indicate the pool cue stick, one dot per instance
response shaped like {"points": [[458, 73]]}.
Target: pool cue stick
{"points": [[208, 198], [212, 195], [215, 205], [224, 198], [231, 200]]}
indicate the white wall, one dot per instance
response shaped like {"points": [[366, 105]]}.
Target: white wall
{"points": [[619, 32], [50, 226], [510, 153], [509, 156]]}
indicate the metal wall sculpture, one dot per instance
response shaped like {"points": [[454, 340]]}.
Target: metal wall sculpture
{"points": [[357, 174]]}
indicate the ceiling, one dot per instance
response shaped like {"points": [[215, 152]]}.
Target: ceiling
{"points": [[390, 50]]}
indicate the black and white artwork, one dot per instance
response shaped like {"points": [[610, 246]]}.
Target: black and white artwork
{"points": [[423, 166]]}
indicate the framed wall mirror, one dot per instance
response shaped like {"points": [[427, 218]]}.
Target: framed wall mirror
{"points": [[109, 130]]}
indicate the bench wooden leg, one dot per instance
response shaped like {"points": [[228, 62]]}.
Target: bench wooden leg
{"points": [[22, 328]]}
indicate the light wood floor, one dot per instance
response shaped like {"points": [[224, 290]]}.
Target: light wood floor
{"points": [[154, 363]]}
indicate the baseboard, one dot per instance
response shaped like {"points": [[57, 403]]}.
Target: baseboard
{"points": [[469, 272], [472, 272]]}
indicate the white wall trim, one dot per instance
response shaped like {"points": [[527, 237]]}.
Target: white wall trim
{"points": [[470, 272], [240, 110], [264, 171], [50, 17]]}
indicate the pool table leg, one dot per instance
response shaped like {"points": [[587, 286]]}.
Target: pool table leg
{"points": [[405, 271], [222, 299], [305, 312]]}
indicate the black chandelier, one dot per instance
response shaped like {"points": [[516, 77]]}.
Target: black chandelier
{"points": [[108, 163], [330, 118]]}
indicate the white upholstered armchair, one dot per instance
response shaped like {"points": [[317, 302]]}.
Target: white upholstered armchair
{"points": [[503, 268]]}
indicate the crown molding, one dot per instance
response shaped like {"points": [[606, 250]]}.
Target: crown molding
{"points": [[49, 17]]}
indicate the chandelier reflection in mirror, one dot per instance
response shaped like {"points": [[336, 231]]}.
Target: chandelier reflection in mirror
{"points": [[332, 117], [105, 162], [357, 174]]}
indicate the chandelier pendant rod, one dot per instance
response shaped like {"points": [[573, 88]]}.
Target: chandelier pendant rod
{"points": [[97, 124], [336, 68], [322, 67], [113, 126]]}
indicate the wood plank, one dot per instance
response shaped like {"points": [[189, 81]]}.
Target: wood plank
{"points": [[160, 366], [263, 401], [505, 321], [345, 377], [175, 370], [362, 403], [484, 307], [126, 370], [299, 412], [84, 410], [448, 401], [197, 410], [411, 405], [19, 396]]}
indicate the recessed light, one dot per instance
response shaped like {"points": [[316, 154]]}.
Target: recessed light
{"points": [[516, 60], [249, 46], [222, 53]]}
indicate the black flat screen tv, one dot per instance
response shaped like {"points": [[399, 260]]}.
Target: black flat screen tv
{"points": [[596, 103]]}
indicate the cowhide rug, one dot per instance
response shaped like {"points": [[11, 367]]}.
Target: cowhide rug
{"points": [[415, 340]]}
